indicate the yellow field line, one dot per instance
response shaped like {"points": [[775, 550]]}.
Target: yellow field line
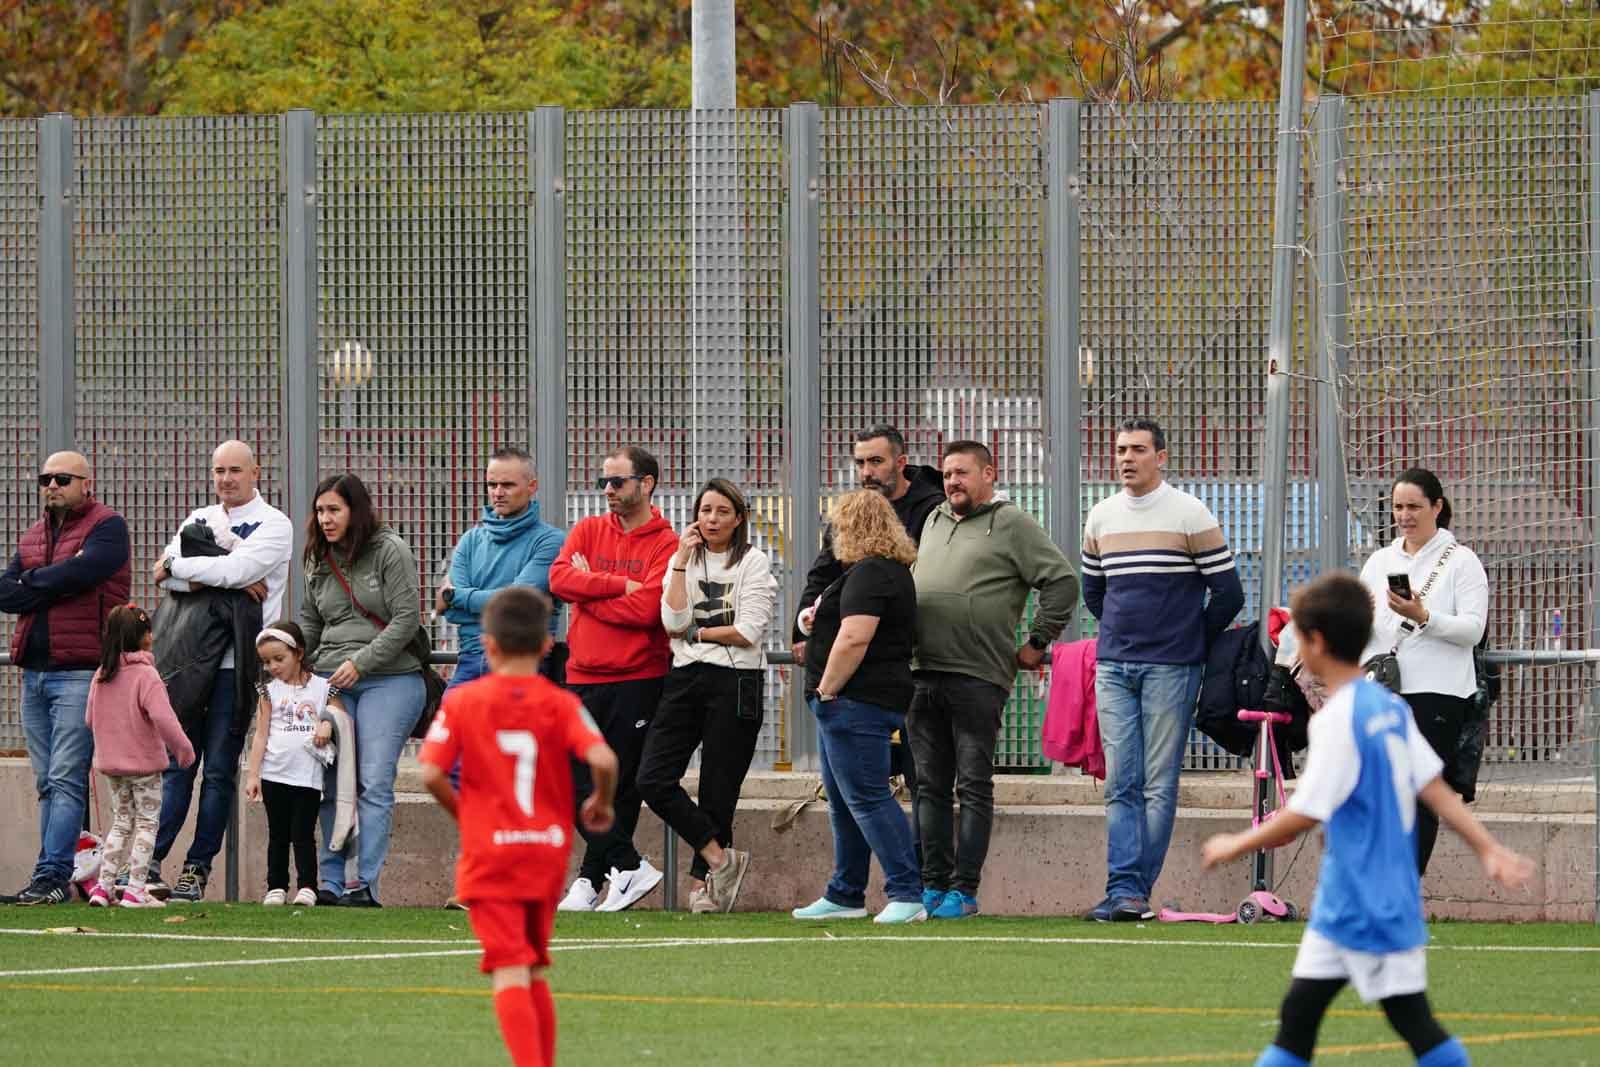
{"points": [[814, 1005]]}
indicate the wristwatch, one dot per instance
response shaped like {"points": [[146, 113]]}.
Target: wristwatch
{"points": [[1037, 643], [825, 696], [449, 594]]}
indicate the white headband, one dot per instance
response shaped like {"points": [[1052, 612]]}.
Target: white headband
{"points": [[272, 633]]}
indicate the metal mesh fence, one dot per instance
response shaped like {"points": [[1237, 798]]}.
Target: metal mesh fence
{"points": [[932, 313], [659, 353], [932, 319], [178, 296], [423, 250], [19, 362], [1177, 250]]}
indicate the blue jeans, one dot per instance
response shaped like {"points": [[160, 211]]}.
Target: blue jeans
{"points": [[60, 747], [1145, 712], [867, 820], [470, 666], [385, 708], [217, 747]]}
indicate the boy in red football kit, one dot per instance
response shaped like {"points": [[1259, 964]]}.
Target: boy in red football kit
{"points": [[515, 734]]}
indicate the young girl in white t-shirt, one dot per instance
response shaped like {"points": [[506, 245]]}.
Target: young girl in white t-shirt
{"points": [[285, 773]]}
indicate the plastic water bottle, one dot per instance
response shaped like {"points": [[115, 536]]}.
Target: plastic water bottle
{"points": [[1555, 631]]}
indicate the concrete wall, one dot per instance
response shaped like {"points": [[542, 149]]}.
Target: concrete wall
{"points": [[1047, 856]]}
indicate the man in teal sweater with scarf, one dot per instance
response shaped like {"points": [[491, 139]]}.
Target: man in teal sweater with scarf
{"points": [[510, 546]]}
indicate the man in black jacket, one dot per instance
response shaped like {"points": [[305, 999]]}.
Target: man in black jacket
{"points": [[914, 491]]}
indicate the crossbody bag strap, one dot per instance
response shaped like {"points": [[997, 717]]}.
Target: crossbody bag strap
{"points": [[337, 573], [1406, 628]]}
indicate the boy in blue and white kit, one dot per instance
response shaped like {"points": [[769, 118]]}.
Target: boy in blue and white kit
{"points": [[1367, 767]]}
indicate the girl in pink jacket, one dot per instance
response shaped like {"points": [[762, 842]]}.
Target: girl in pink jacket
{"points": [[134, 727]]}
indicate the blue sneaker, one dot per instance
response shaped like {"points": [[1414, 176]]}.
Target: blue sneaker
{"points": [[956, 905], [931, 899], [902, 911], [1101, 912], [823, 908]]}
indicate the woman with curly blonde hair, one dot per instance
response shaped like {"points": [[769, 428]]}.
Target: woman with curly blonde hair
{"points": [[858, 680]]}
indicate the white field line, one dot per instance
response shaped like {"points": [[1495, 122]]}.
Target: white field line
{"points": [[572, 944]]}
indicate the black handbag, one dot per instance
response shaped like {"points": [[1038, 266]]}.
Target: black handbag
{"points": [[1468, 756]]}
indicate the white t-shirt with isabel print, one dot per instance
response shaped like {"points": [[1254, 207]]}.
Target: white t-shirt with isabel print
{"points": [[295, 710]]}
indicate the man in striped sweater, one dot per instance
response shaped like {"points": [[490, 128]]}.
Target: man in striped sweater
{"points": [[1151, 554]]}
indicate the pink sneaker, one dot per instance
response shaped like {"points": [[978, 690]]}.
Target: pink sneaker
{"points": [[138, 898], [98, 897]]}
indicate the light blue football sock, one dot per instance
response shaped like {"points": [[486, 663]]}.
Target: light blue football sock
{"points": [[1278, 1057], [1451, 1053]]}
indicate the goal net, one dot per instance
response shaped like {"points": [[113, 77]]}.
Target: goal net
{"points": [[1453, 175]]}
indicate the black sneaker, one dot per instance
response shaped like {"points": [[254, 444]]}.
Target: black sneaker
{"points": [[191, 887], [1132, 910], [326, 898], [44, 892], [153, 885], [13, 898], [359, 898]]}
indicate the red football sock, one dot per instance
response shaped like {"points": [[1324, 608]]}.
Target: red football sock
{"points": [[519, 1026], [545, 1007]]}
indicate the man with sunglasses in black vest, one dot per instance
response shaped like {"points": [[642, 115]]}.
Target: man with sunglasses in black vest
{"points": [[70, 569]]}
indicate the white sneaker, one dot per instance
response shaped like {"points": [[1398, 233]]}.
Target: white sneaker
{"points": [[581, 897], [274, 898], [627, 888], [306, 898]]}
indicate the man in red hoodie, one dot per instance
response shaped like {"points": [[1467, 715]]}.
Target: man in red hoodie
{"points": [[611, 570]]}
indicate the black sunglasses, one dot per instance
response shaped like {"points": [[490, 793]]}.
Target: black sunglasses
{"points": [[61, 480], [616, 481]]}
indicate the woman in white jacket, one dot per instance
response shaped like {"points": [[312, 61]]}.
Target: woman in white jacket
{"points": [[1432, 631], [719, 598]]}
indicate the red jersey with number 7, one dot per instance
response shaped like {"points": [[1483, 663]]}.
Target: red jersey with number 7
{"points": [[515, 736]]}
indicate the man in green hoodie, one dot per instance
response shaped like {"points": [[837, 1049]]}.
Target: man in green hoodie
{"points": [[978, 559]]}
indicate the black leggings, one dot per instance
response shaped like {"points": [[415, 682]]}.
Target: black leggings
{"points": [[1440, 718], [291, 823], [1308, 999]]}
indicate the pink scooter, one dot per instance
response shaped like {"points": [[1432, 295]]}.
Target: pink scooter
{"points": [[1262, 903]]}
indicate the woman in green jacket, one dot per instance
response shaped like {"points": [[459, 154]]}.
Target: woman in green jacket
{"points": [[362, 609]]}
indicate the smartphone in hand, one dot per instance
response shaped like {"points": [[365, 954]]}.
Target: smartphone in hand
{"points": [[1400, 585]]}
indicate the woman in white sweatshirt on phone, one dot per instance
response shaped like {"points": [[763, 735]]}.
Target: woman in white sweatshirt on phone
{"points": [[719, 598], [1431, 597]]}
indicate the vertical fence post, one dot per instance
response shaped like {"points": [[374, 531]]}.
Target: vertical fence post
{"points": [[547, 246], [1280, 336], [1592, 354], [297, 155], [297, 252], [803, 352], [1063, 310], [1280, 344], [57, 333], [1333, 333]]}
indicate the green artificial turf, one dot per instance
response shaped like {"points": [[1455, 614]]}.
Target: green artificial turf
{"points": [[749, 989]]}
